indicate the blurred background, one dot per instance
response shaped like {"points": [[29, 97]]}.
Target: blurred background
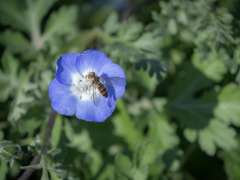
{"points": [[179, 117]]}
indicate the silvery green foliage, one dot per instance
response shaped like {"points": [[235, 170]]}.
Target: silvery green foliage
{"points": [[9, 152], [181, 105]]}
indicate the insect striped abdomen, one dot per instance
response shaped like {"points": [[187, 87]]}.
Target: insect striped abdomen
{"points": [[103, 90]]}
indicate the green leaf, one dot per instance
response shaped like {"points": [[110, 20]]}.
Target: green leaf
{"points": [[190, 112], [54, 152], [140, 173], [155, 68], [46, 77], [22, 98], [148, 42], [161, 132], [107, 173], [124, 126], [37, 166], [130, 29], [81, 141], [227, 109], [35, 149], [61, 22], [14, 41], [11, 163], [22, 95], [237, 54], [54, 176], [172, 26], [182, 17], [195, 112], [232, 162], [217, 134], [171, 158], [138, 47], [238, 77], [8, 76], [61, 172], [115, 50], [111, 25], [15, 84], [3, 170], [22, 16], [56, 132], [144, 156], [10, 64], [123, 165], [147, 153], [96, 160], [11, 13], [190, 135], [28, 125], [146, 86], [1, 135], [40, 8], [9, 151], [212, 67]]}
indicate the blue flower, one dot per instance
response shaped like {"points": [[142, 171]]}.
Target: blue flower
{"points": [[87, 85]]}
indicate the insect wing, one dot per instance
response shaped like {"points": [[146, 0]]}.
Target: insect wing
{"points": [[96, 97], [96, 100], [113, 81]]}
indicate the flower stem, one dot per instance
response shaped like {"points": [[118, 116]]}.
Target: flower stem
{"points": [[46, 136], [49, 127], [44, 167], [27, 173]]}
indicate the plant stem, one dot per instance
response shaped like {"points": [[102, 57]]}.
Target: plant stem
{"points": [[49, 127], [36, 160], [44, 167], [27, 173], [46, 136]]}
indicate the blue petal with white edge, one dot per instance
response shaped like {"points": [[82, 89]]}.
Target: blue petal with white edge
{"points": [[91, 61], [88, 111], [66, 67], [115, 74], [63, 101]]}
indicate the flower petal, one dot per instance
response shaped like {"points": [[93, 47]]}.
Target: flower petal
{"points": [[88, 111], [117, 77], [91, 61], [66, 67], [63, 101], [71, 93]]}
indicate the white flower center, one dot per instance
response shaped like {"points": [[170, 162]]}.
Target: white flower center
{"points": [[83, 88]]}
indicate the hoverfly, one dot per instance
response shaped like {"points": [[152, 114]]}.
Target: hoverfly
{"points": [[100, 83], [96, 81]]}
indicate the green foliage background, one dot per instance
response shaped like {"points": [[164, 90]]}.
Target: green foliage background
{"points": [[179, 117]]}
